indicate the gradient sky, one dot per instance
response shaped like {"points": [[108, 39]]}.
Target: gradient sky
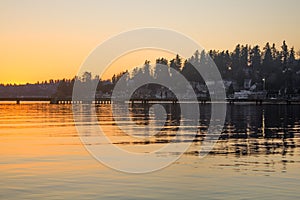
{"points": [[49, 39]]}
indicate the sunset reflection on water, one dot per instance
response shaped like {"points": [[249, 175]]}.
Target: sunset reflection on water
{"points": [[42, 156]]}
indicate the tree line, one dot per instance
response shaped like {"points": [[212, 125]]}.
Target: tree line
{"points": [[271, 68], [278, 67]]}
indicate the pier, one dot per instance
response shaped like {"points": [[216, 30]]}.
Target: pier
{"points": [[69, 100], [52, 100]]}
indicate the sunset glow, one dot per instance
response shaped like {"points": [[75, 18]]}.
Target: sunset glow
{"points": [[42, 40]]}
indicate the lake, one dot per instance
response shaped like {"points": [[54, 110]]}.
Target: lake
{"points": [[256, 157]]}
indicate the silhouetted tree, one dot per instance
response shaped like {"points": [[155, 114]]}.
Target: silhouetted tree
{"points": [[285, 55], [161, 69], [176, 63], [267, 61]]}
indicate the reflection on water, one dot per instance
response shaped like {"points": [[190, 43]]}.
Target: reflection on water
{"points": [[272, 129], [248, 129], [257, 155]]}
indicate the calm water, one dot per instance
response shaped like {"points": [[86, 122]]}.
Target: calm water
{"points": [[257, 156]]}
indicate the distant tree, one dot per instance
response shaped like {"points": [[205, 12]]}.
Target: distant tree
{"points": [[196, 57], [267, 61], [189, 70], [64, 89], [97, 78], [291, 76], [190, 73], [143, 74], [227, 64], [285, 54], [117, 77], [203, 58], [244, 56], [146, 68], [87, 76], [255, 58], [161, 69], [236, 58], [292, 59], [176, 64]]}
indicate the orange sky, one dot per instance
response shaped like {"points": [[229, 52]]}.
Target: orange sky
{"points": [[42, 40]]}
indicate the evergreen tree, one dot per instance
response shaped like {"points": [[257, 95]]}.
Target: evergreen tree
{"points": [[267, 62], [292, 59], [146, 68], [244, 56], [190, 72], [236, 58], [285, 55], [161, 69], [255, 58]]}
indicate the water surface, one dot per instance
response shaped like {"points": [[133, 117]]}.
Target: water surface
{"points": [[257, 156]]}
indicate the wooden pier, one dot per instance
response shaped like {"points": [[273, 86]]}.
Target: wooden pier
{"points": [[52, 100]]}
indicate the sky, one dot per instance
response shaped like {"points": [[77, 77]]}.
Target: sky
{"points": [[50, 39]]}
